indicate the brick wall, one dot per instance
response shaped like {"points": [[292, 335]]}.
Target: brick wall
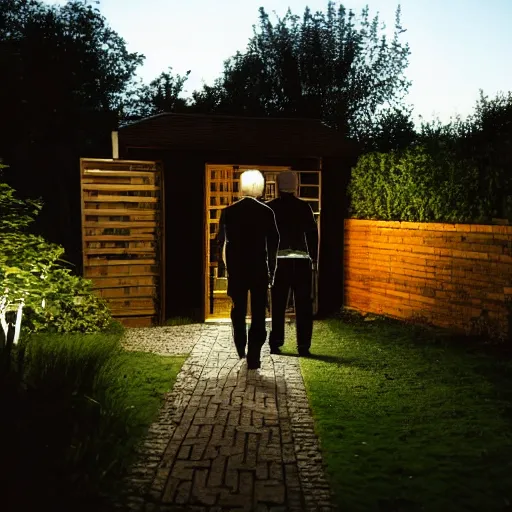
{"points": [[450, 275]]}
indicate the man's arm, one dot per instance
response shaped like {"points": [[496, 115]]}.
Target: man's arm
{"points": [[272, 244], [311, 233], [221, 238]]}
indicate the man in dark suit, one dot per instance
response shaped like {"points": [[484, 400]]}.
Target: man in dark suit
{"points": [[248, 233], [296, 259]]}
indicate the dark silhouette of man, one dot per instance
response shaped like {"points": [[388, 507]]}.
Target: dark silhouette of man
{"points": [[249, 236], [296, 259]]}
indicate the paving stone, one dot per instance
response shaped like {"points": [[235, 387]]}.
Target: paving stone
{"points": [[269, 491], [183, 494], [227, 438]]}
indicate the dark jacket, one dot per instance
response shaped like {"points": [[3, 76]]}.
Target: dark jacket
{"points": [[296, 224], [249, 229]]}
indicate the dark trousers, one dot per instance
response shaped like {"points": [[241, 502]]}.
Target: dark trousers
{"points": [[238, 291], [292, 274]]}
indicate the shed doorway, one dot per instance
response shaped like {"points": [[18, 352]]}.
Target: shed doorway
{"points": [[221, 190]]}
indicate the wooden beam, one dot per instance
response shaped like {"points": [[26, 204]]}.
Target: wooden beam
{"points": [[118, 238], [118, 174], [119, 187], [119, 212], [120, 224], [101, 262], [120, 199], [122, 250]]}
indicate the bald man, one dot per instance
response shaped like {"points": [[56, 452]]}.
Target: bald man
{"points": [[297, 255], [248, 233]]}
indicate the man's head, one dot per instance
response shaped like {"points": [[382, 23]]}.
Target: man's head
{"points": [[287, 182], [252, 183]]}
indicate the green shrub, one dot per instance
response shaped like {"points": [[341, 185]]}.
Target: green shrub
{"points": [[35, 281], [115, 327], [70, 306], [413, 185]]}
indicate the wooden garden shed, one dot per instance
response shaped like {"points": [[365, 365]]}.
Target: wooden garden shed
{"points": [[177, 171]]}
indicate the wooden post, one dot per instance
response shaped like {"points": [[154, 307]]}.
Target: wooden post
{"points": [[115, 145], [319, 222]]}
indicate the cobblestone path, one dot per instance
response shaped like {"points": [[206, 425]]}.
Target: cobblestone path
{"points": [[230, 439]]}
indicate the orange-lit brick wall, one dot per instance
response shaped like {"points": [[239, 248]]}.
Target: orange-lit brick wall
{"points": [[450, 275]]}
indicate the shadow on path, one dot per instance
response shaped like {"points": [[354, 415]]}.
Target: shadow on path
{"points": [[229, 438]]}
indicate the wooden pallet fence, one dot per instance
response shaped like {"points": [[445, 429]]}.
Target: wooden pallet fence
{"points": [[450, 275], [123, 237]]}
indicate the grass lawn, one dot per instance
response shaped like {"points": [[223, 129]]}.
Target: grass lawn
{"points": [[410, 420], [72, 431], [147, 377]]}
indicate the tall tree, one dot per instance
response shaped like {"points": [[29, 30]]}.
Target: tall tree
{"points": [[61, 64], [160, 95], [328, 65], [391, 129], [65, 74]]}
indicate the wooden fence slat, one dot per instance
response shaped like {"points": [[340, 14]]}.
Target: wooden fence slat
{"points": [[120, 187], [121, 312], [120, 199], [101, 262], [119, 271], [130, 303], [120, 224], [115, 174], [105, 180], [117, 238], [123, 282], [141, 321], [118, 231], [128, 291], [119, 212], [122, 250]]}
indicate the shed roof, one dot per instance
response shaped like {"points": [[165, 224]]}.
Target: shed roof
{"points": [[272, 136]]}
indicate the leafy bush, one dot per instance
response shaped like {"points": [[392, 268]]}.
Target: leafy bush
{"points": [[70, 306], [34, 278], [414, 185], [455, 172]]}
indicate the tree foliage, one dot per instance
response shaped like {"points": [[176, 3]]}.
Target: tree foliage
{"points": [[333, 66], [66, 75], [161, 95], [64, 62]]}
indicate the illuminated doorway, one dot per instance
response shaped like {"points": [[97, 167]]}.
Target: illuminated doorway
{"points": [[221, 190]]}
